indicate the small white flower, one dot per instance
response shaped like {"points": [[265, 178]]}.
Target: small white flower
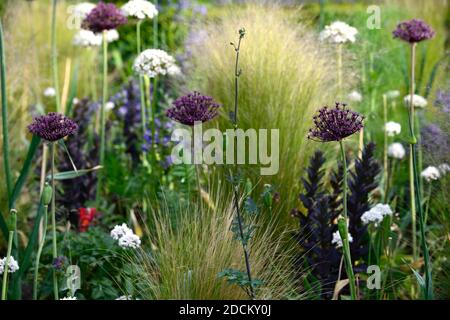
{"points": [[392, 128], [75, 100], [130, 240], [87, 38], [109, 106], [154, 62], [337, 239], [119, 231], [49, 92], [396, 150], [140, 9], [392, 94], [13, 265], [376, 214], [82, 10], [339, 32], [430, 173], [443, 168], [418, 101], [354, 96], [69, 298]]}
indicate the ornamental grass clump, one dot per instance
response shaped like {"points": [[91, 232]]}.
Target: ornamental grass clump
{"points": [[413, 32], [335, 124], [52, 128], [286, 74]]}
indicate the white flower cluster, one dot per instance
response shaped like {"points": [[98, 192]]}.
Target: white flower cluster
{"points": [[418, 101], [337, 239], [392, 128], [392, 94], [444, 168], [49, 92], [354, 96], [376, 214], [124, 298], [154, 62], [81, 10], [69, 298], [430, 173], [140, 9], [87, 38], [125, 236], [396, 150], [13, 266], [339, 32]]}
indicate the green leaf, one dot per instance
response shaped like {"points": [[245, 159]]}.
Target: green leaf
{"points": [[66, 175], [3, 226], [25, 170]]}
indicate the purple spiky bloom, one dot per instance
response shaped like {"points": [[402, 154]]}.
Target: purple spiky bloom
{"points": [[335, 124], [413, 31], [193, 107], [53, 126], [105, 16]]}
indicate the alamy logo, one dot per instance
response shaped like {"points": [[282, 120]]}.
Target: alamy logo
{"points": [[234, 146]]}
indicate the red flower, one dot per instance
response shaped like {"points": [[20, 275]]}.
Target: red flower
{"points": [[86, 217]]}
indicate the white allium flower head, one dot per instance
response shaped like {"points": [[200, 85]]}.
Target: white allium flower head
{"points": [[81, 10], [418, 101], [392, 128], [109, 106], [376, 214], [124, 298], [140, 9], [431, 173], [119, 231], [337, 239], [354, 96], [69, 298], [339, 32], [396, 150], [87, 38], [130, 240], [392, 94], [49, 92], [444, 168], [154, 62], [111, 35], [13, 266]]}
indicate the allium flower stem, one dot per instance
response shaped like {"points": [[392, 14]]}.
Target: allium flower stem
{"points": [[339, 68], [103, 114], [154, 106], [344, 235], [5, 271], [155, 27], [55, 58], [385, 154], [141, 87], [5, 115], [53, 213], [414, 182]]}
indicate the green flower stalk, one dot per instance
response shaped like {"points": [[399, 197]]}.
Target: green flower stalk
{"points": [[53, 215], [5, 116], [46, 198], [6, 269], [141, 86], [413, 32]]}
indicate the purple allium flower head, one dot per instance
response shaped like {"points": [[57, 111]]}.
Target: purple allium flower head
{"points": [[105, 16], [193, 107], [443, 100], [435, 142], [53, 126], [335, 124], [413, 31], [59, 262]]}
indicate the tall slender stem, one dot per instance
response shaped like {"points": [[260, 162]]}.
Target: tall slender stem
{"points": [[6, 267], [344, 235], [339, 68], [154, 106], [385, 154], [5, 115], [155, 28], [428, 290], [53, 213], [103, 114], [141, 89], [39, 252], [55, 58]]}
